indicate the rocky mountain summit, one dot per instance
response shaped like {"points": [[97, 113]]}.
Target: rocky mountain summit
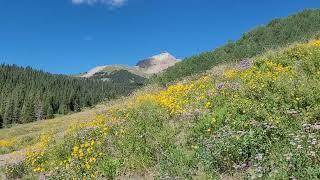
{"points": [[157, 63], [146, 67]]}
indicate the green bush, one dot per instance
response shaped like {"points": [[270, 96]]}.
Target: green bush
{"points": [[16, 170]]}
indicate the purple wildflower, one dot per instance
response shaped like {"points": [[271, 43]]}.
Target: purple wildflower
{"points": [[245, 64], [220, 85]]}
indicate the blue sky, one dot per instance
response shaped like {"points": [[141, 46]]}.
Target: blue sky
{"points": [[72, 36]]}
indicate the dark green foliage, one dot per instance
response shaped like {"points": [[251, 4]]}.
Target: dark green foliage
{"points": [[121, 77], [278, 33], [124, 80], [27, 95], [28, 110], [109, 167], [8, 114], [1, 121], [49, 113]]}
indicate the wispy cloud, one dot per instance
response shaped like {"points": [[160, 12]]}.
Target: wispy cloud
{"points": [[109, 3]]}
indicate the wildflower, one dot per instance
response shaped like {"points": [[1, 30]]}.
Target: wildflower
{"points": [[208, 104], [195, 147], [220, 85], [75, 149], [8, 142], [244, 64]]}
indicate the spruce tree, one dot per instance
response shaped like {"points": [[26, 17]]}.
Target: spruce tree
{"points": [[17, 101], [38, 107], [8, 117], [63, 109], [76, 104], [49, 112], [1, 121], [28, 114], [17, 112]]}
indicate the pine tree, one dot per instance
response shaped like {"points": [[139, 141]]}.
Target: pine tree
{"points": [[28, 114], [17, 112], [8, 117], [38, 107], [76, 104], [63, 109], [1, 121], [17, 101], [49, 112]]}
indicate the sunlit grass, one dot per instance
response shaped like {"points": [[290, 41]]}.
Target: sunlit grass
{"points": [[27, 134]]}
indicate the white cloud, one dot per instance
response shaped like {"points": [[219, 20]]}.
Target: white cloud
{"points": [[110, 3]]}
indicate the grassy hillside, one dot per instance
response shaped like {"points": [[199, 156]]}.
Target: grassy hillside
{"points": [[255, 119], [278, 33], [18, 137]]}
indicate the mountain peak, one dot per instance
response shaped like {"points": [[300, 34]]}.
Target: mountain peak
{"points": [[157, 63]]}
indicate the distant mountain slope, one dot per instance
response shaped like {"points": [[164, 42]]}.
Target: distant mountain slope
{"points": [[144, 68], [93, 71], [116, 67], [278, 33], [121, 76]]}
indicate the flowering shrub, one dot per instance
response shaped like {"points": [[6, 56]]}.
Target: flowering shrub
{"points": [[177, 98], [83, 149], [180, 98], [35, 155]]}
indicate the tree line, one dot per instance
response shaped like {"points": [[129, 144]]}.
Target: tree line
{"points": [[28, 95], [278, 33]]}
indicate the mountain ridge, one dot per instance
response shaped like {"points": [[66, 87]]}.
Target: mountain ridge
{"points": [[145, 67]]}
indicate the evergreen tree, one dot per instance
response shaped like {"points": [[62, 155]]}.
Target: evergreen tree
{"points": [[17, 101], [49, 112], [1, 121], [76, 104], [28, 113], [8, 117], [38, 107], [17, 113], [63, 109]]}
